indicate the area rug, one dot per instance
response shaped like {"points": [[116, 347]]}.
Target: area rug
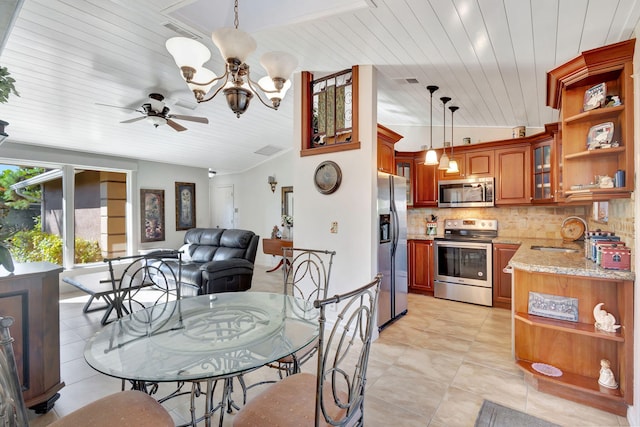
{"points": [[493, 415]]}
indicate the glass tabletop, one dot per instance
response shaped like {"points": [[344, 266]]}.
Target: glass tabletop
{"points": [[208, 336]]}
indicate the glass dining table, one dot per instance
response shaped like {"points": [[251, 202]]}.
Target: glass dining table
{"points": [[205, 338]]}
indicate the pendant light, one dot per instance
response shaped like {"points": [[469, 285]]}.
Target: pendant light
{"points": [[453, 165], [444, 160], [431, 157]]}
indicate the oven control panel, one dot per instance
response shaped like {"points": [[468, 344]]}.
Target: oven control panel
{"points": [[471, 224]]}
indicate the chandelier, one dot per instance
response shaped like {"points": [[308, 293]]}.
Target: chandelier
{"points": [[236, 83]]}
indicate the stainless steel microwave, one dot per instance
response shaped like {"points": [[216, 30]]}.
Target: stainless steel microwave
{"points": [[466, 193]]}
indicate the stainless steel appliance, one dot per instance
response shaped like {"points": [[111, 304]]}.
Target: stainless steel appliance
{"points": [[466, 193], [392, 247], [463, 261]]}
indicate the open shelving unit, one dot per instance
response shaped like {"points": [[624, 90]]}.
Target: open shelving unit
{"points": [[576, 348], [566, 87]]}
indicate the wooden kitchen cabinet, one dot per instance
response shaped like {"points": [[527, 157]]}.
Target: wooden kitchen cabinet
{"points": [[576, 348], [404, 167], [513, 175], [30, 295], [386, 151], [471, 164], [421, 266], [502, 254], [566, 87], [546, 174], [425, 193]]}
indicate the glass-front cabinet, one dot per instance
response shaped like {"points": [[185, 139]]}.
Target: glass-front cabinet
{"points": [[542, 172]]}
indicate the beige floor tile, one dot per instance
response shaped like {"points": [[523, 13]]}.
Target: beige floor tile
{"points": [[432, 367], [567, 413], [497, 386], [458, 408]]}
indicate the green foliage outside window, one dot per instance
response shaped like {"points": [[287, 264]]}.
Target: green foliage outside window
{"points": [[12, 176], [35, 245]]}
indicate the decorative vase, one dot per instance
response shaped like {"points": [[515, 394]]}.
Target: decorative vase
{"points": [[287, 233]]}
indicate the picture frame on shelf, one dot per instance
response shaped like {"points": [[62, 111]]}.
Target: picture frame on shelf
{"points": [[152, 227], [553, 306], [185, 196]]}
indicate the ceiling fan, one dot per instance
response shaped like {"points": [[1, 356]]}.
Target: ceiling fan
{"points": [[156, 112]]}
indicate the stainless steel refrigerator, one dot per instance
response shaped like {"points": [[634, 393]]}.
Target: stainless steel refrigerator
{"points": [[392, 247]]}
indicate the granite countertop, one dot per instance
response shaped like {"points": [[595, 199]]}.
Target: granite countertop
{"points": [[572, 263]]}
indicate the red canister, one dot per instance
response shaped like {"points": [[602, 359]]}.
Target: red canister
{"points": [[616, 258]]}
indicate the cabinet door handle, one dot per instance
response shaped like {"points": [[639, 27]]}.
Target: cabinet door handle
{"points": [[508, 269]]}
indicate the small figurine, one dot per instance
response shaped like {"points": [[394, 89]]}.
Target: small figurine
{"points": [[606, 375], [604, 321], [275, 233]]}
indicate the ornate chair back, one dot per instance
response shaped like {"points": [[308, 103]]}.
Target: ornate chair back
{"points": [[307, 272], [343, 355], [145, 281], [13, 412]]}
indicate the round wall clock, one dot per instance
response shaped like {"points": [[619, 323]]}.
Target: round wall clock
{"points": [[327, 177]]}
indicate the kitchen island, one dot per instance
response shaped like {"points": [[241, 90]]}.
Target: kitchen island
{"points": [[569, 348]]}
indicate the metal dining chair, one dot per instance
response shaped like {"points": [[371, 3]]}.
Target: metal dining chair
{"points": [[335, 394], [126, 408], [306, 276]]}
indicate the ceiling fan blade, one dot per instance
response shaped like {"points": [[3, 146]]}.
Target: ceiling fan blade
{"points": [[117, 106], [134, 120], [189, 118], [176, 126]]}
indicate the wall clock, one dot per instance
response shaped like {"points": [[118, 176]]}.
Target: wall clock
{"points": [[327, 177]]}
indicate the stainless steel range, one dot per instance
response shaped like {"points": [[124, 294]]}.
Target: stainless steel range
{"points": [[463, 261]]}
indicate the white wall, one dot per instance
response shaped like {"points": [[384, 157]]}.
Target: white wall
{"points": [[258, 209], [160, 176]]}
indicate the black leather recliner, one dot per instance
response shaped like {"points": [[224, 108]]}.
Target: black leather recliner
{"points": [[217, 260]]}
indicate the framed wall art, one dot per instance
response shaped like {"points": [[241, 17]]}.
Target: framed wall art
{"points": [[152, 215], [185, 205]]}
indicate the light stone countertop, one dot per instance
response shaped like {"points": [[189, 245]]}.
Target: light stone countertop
{"points": [[573, 263]]}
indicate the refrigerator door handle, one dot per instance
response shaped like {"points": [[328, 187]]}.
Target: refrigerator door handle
{"points": [[395, 227]]}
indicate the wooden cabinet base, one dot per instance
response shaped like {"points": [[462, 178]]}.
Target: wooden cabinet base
{"points": [[576, 388], [31, 296]]}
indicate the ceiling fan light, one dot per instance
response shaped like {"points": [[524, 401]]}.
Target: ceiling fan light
{"points": [[453, 167], [279, 64], [187, 52], [431, 158], [234, 43], [157, 120], [444, 162]]}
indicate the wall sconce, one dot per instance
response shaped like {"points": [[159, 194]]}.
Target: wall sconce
{"points": [[272, 182], [212, 173]]}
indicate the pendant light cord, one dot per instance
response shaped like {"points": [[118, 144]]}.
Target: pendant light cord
{"points": [[444, 100], [431, 89], [235, 11], [453, 109]]}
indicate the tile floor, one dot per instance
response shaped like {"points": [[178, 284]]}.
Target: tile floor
{"points": [[433, 367]]}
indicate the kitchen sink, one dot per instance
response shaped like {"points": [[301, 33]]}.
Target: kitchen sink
{"points": [[554, 249]]}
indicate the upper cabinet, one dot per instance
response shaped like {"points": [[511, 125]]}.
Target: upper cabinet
{"points": [[471, 164], [513, 178], [546, 166], [386, 152], [594, 93]]}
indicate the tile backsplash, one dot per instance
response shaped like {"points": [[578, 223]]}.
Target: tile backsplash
{"points": [[531, 221]]}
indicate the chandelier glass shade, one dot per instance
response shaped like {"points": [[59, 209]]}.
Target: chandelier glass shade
{"points": [[235, 47]]}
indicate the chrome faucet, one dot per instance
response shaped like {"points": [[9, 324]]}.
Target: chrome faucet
{"points": [[582, 220]]}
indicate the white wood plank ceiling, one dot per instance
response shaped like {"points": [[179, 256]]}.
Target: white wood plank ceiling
{"points": [[490, 56]]}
